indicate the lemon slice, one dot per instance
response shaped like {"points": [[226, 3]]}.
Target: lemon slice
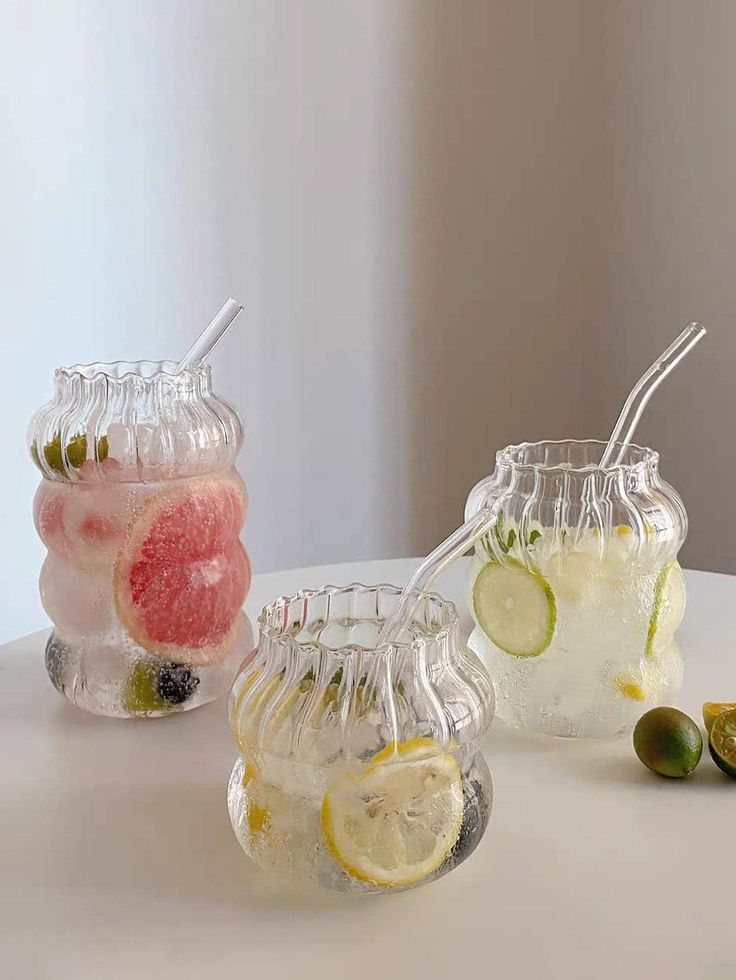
{"points": [[631, 687], [668, 608], [515, 608], [257, 813], [396, 821]]}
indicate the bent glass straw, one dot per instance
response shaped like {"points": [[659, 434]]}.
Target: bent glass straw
{"points": [[443, 555], [643, 391]]}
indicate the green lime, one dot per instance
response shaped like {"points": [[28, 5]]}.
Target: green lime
{"points": [[711, 710], [515, 608], [722, 742], [76, 452], [668, 742], [141, 696], [102, 449]]}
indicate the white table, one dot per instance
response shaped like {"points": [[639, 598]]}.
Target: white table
{"points": [[117, 859]]}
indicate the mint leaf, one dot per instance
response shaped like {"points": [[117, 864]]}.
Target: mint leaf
{"points": [[534, 536]]}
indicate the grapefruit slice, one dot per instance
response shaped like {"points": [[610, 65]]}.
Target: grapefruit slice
{"points": [[48, 514], [182, 576]]}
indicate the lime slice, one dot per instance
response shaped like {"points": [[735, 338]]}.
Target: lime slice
{"points": [[515, 608], [668, 609], [396, 821], [722, 742], [141, 696], [711, 710]]}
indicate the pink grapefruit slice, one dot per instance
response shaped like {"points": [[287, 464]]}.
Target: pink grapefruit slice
{"points": [[48, 514], [182, 576]]}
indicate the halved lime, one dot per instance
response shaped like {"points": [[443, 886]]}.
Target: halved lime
{"points": [[722, 742], [711, 710], [515, 608], [668, 608]]}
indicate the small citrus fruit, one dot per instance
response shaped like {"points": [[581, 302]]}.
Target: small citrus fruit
{"points": [[668, 742]]}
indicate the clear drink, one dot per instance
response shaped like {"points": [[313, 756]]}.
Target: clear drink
{"points": [[360, 768], [140, 508], [577, 593]]}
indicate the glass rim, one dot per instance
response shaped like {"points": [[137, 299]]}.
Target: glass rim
{"points": [[276, 634], [510, 456], [118, 372]]}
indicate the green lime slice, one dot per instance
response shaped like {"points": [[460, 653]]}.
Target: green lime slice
{"points": [[141, 696], [722, 742], [668, 608], [515, 608]]}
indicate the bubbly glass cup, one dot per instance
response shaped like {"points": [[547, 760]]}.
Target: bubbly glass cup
{"points": [[576, 593], [360, 766], [140, 508]]}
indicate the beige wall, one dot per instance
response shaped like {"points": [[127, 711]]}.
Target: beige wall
{"points": [[454, 224], [670, 190], [573, 209]]}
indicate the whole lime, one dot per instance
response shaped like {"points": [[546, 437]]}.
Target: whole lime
{"points": [[668, 742]]}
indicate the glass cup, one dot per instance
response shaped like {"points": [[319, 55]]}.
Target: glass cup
{"points": [[576, 593], [140, 508], [360, 766]]}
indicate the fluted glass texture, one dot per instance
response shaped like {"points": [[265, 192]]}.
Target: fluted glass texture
{"points": [[140, 508], [330, 725], [576, 593]]}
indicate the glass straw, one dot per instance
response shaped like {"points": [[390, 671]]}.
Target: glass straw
{"points": [[205, 343], [643, 391], [443, 555], [481, 523]]}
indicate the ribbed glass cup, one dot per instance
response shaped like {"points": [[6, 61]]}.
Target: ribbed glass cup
{"points": [[140, 508], [328, 724], [577, 593]]}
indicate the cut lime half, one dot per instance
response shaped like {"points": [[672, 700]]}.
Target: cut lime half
{"points": [[712, 709], [668, 608], [722, 742], [515, 608]]}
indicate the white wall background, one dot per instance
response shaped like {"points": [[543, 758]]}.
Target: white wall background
{"points": [[454, 224]]}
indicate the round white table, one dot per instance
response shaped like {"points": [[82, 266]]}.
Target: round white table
{"points": [[117, 859]]}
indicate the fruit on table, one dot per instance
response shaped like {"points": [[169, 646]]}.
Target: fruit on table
{"points": [[182, 576], [668, 742], [397, 820], [515, 607], [711, 710], [722, 742]]}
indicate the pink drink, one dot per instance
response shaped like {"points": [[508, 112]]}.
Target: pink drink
{"points": [[140, 508]]}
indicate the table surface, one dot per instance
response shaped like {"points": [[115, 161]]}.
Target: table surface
{"points": [[117, 858]]}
